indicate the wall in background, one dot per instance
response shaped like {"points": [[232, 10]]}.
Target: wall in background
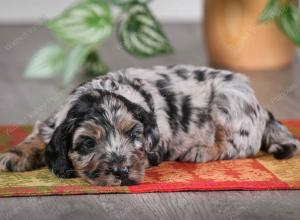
{"points": [[34, 11]]}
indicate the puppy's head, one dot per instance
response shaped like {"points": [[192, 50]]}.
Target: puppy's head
{"points": [[105, 143], [109, 153]]}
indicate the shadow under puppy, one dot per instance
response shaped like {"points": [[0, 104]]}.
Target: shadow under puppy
{"points": [[113, 127]]}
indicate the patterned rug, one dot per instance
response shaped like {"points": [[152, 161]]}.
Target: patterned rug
{"points": [[261, 173]]}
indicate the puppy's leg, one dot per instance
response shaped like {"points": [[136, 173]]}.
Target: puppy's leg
{"points": [[158, 154], [154, 158], [196, 154], [27, 155], [202, 154], [278, 140]]}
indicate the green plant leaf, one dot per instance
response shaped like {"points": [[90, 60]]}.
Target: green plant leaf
{"points": [[93, 65], [289, 23], [140, 34], [272, 10], [87, 22], [47, 62], [74, 61]]}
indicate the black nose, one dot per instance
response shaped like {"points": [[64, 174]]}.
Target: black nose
{"points": [[120, 171]]}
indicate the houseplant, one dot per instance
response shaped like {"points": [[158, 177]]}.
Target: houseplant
{"points": [[80, 30], [286, 14], [251, 35]]}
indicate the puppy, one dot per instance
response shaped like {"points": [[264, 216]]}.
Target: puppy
{"points": [[113, 127]]}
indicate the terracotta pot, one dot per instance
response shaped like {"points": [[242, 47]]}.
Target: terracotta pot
{"points": [[235, 39]]}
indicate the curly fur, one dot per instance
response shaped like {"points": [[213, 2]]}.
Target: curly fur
{"points": [[111, 128]]}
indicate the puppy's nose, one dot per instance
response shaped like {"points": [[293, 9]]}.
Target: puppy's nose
{"points": [[120, 171]]}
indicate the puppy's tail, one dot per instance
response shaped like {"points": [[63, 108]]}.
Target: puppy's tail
{"points": [[27, 155], [278, 140]]}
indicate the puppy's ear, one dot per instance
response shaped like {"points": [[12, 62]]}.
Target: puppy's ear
{"points": [[151, 131], [56, 154]]}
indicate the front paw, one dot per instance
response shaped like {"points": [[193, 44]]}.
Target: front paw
{"points": [[64, 172], [153, 158], [10, 161]]}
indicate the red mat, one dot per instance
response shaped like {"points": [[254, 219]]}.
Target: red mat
{"points": [[261, 173]]}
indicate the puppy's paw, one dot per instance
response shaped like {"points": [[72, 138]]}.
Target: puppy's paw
{"points": [[153, 158], [283, 151], [20, 159], [10, 161]]}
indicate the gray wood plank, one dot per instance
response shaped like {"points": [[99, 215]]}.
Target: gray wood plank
{"points": [[170, 206]]}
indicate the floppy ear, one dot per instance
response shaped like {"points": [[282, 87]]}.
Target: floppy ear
{"points": [[56, 154], [151, 132]]}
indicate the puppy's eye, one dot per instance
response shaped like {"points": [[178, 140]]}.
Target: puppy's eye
{"points": [[133, 136], [88, 142], [85, 145], [135, 132]]}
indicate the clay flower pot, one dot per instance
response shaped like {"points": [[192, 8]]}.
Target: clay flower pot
{"points": [[235, 39]]}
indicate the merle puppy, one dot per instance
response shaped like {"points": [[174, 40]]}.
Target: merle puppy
{"points": [[111, 128]]}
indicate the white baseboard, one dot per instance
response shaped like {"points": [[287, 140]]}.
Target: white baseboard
{"points": [[34, 11]]}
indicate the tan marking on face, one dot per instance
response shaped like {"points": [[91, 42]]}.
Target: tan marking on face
{"points": [[137, 168], [92, 130], [103, 179], [124, 123]]}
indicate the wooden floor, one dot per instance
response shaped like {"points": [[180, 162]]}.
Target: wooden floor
{"points": [[24, 101]]}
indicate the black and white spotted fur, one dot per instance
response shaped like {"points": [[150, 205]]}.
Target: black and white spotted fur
{"points": [[188, 113]]}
